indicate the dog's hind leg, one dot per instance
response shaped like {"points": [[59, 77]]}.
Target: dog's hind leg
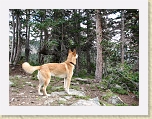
{"points": [[40, 83], [39, 87], [46, 83]]}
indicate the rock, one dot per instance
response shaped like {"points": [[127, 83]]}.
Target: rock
{"points": [[62, 96], [72, 92], [48, 102], [21, 93], [28, 82], [57, 94], [13, 99], [11, 83], [72, 83], [75, 92], [13, 68], [23, 103], [31, 91], [118, 87], [18, 76], [90, 102], [115, 100], [83, 80], [80, 79], [62, 99], [67, 97]]}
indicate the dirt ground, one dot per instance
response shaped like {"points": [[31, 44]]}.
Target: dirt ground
{"points": [[24, 91]]}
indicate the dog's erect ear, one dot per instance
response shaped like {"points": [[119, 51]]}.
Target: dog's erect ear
{"points": [[74, 52], [70, 50]]}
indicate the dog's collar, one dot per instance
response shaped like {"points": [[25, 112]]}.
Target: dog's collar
{"points": [[72, 63]]}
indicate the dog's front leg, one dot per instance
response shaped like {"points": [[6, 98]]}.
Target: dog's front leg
{"points": [[65, 83], [68, 81]]}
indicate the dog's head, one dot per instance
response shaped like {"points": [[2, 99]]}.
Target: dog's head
{"points": [[72, 56]]}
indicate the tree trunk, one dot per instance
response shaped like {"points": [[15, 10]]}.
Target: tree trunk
{"points": [[88, 62], [41, 38], [122, 37], [18, 49], [27, 49], [13, 39], [88, 43], [63, 48], [98, 72], [77, 40]]}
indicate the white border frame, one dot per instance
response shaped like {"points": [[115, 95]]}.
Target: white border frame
{"points": [[142, 109]]}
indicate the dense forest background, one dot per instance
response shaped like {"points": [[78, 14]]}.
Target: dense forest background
{"points": [[107, 42]]}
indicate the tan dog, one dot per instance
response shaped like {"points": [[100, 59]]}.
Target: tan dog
{"points": [[61, 70]]}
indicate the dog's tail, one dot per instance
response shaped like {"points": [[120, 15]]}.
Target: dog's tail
{"points": [[28, 68]]}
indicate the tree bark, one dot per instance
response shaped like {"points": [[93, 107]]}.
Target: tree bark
{"points": [[13, 40], [77, 40], [18, 48], [98, 72], [27, 49], [88, 43], [122, 37]]}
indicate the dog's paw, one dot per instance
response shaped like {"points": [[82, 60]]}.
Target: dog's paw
{"points": [[67, 90], [40, 93], [48, 95], [69, 93]]}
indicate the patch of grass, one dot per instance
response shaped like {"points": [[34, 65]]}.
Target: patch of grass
{"points": [[34, 75], [81, 97], [59, 89], [16, 82], [93, 87], [134, 104], [50, 89], [34, 85], [14, 85], [104, 103], [61, 102], [119, 91], [121, 104], [75, 87], [107, 95], [17, 91]]}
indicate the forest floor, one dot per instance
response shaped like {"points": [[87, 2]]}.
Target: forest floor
{"points": [[23, 91]]}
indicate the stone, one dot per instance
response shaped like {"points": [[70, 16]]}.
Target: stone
{"points": [[72, 92], [13, 99], [67, 97], [62, 99], [11, 83], [75, 92], [48, 102], [118, 87], [80, 79], [115, 100], [18, 76], [90, 102], [28, 82]]}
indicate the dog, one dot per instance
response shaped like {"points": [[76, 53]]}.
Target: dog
{"points": [[61, 70]]}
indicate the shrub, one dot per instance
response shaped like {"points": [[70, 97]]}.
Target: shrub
{"points": [[125, 77]]}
